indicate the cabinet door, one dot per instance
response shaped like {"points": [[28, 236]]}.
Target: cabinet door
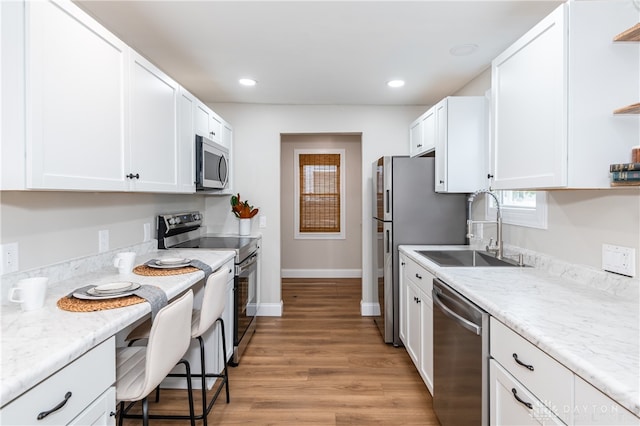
{"points": [[186, 142], [402, 296], [441, 120], [201, 120], [414, 324], [512, 404], [154, 130], [426, 351], [592, 407], [429, 131], [529, 112], [215, 127], [77, 91], [415, 137], [100, 413]]}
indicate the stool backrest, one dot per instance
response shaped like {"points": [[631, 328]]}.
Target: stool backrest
{"points": [[169, 340], [213, 299]]}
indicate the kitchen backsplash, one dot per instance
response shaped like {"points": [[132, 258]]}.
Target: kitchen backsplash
{"points": [[67, 269]]}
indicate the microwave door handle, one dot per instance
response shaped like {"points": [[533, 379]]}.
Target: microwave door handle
{"points": [[224, 178]]}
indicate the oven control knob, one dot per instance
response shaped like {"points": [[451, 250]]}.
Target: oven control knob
{"points": [[172, 221], [196, 216], [177, 220]]}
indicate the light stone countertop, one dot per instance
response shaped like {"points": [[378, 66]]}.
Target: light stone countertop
{"points": [[36, 344], [593, 332]]}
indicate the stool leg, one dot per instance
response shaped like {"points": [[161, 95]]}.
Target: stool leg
{"points": [[192, 414], [224, 358], [203, 372], [121, 414], [145, 412]]}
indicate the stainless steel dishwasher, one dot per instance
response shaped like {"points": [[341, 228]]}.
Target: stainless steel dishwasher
{"points": [[460, 358]]}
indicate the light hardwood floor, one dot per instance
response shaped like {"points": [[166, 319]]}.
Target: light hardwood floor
{"points": [[321, 363]]}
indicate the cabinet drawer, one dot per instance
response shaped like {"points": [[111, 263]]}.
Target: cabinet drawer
{"points": [[513, 404], [85, 378], [545, 377], [422, 278]]}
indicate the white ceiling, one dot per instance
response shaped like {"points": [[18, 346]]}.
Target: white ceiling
{"points": [[319, 52]]}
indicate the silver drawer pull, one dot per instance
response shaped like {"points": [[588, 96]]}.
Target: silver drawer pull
{"points": [[530, 367], [44, 414], [525, 403]]}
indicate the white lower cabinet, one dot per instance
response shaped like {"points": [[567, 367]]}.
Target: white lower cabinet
{"points": [[416, 324], [528, 387], [79, 392], [592, 407], [513, 404], [100, 413]]}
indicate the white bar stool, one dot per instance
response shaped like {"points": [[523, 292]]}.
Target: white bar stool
{"points": [[210, 312], [140, 369]]}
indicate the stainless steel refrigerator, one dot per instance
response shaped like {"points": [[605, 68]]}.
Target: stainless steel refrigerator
{"points": [[407, 210]]}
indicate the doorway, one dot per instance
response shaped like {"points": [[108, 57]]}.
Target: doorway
{"points": [[324, 256]]}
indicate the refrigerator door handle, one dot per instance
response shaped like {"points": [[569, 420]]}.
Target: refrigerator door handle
{"points": [[388, 239], [388, 204]]}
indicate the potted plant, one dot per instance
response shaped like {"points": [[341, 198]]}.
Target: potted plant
{"points": [[244, 211]]}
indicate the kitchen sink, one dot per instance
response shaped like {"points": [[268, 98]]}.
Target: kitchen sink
{"points": [[465, 258]]}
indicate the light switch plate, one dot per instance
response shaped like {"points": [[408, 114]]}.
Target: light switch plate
{"points": [[103, 241], [9, 258], [621, 260], [263, 221], [147, 232]]}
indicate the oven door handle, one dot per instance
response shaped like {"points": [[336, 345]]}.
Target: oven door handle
{"points": [[248, 263]]}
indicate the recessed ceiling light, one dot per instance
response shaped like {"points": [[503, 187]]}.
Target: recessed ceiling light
{"points": [[395, 83], [247, 82], [463, 49]]}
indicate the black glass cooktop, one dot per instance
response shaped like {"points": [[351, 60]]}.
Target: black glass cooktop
{"points": [[229, 242], [243, 246]]}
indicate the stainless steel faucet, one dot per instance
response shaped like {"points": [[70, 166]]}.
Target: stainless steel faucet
{"points": [[497, 247]]}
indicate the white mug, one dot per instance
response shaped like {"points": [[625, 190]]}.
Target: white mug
{"points": [[125, 262], [30, 293]]}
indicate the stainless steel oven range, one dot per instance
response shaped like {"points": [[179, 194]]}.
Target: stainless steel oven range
{"points": [[183, 230]]}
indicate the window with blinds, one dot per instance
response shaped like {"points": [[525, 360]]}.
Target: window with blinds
{"points": [[319, 195]]}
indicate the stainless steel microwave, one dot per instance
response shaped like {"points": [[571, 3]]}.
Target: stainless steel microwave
{"points": [[212, 165]]}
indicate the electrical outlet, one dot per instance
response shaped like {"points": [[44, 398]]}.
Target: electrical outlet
{"points": [[103, 241], [621, 260], [147, 232], [9, 258]]}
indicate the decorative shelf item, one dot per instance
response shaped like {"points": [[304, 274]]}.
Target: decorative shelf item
{"points": [[632, 34], [629, 109]]}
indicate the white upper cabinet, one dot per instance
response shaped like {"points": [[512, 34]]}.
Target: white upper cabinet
{"points": [[186, 141], [553, 96], [208, 124], [422, 134], [76, 123], [83, 111], [460, 144], [153, 128]]}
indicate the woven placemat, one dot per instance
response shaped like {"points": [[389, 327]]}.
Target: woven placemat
{"points": [[155, 272], [70, 303]]}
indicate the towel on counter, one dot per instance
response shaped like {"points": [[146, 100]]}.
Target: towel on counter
{"points": [[203, 267]]}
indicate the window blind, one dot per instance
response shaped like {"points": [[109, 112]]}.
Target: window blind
{"points": [[319, 192]]}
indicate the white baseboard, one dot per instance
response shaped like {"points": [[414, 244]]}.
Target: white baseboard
{"points": [[321, 273], [270, 309], [369, 309]]}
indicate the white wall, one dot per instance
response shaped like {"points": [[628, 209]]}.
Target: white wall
{"points": [[257, 130], [52, 227]]}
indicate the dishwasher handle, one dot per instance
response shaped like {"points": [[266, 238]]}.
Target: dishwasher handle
{"points": [[437, 300]]}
